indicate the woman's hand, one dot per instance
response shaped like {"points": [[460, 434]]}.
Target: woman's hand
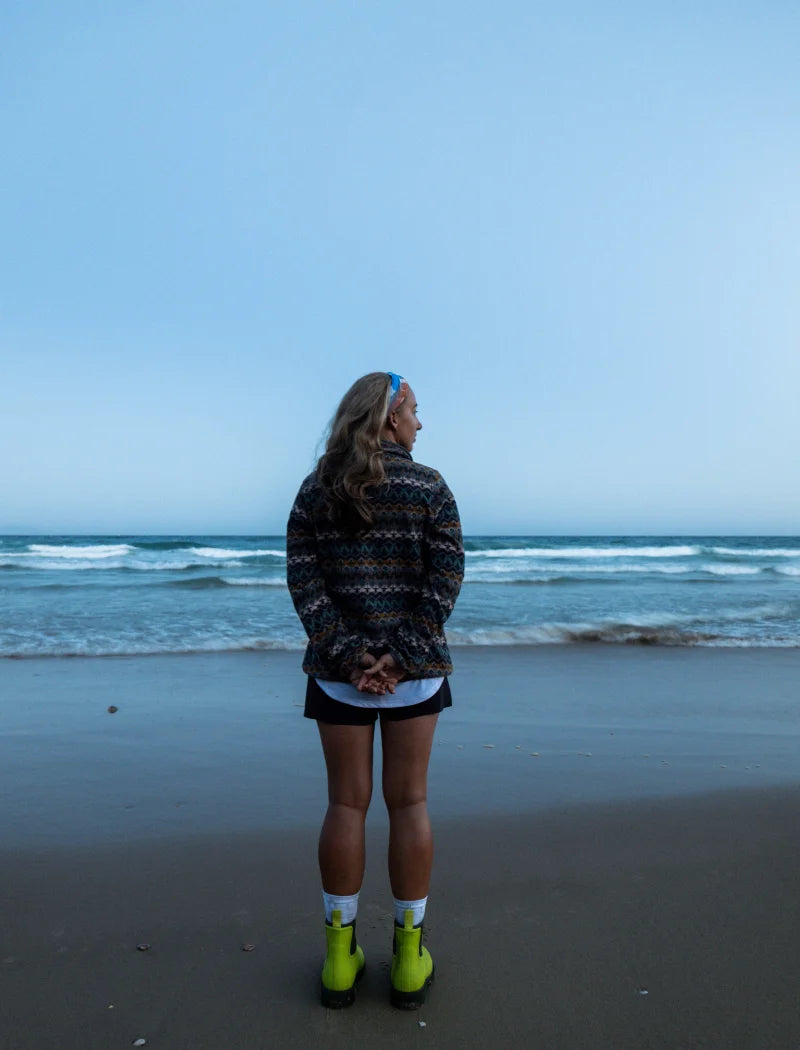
{"points": [[379, 676], [362, 683]]}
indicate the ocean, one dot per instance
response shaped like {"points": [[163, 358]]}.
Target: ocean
{"points": [[114, 595]]}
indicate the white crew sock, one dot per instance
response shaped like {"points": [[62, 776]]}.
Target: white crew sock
{"points": [[348, 906], [418, 907]]}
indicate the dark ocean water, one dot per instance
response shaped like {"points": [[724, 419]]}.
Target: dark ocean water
{"points": [[110, 595]]}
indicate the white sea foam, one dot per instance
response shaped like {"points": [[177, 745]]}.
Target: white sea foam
{"points": [[104, 550], [219, 552], [178, 566], [140, 564], [541, 635], [668, 570], [567, 634], [128, 647], [656, 630], [585, 552], [499, 572], [772, 642], [759, 552], [252, 581], [65, 565], [788, 570], [482, 575], [730, 570]]}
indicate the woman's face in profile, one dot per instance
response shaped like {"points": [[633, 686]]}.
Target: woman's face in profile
{"points": [[407, 422]]}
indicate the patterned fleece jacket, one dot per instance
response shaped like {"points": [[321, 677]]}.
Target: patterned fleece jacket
{"points": [[388, 589]]}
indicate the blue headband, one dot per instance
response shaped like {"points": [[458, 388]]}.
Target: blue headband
{"points": [[399, 391]]}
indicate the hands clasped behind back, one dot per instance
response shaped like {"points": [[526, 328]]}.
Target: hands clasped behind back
{"points": [[378, 675]]}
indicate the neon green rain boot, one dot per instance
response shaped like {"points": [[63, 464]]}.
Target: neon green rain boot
{"points": [[412, 966], [344, 963]]}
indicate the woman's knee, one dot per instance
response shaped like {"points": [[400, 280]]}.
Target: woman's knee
{"points": [[404, 795], [348, 759], [406, 753], [352, 796]]}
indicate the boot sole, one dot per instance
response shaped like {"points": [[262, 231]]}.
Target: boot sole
{"points": [[411, 1000], [338, 1000]]}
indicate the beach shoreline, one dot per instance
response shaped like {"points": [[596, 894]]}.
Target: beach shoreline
{"points": [[217, 741]]}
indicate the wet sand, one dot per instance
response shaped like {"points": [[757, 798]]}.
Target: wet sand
{"points": [[616, 856]]}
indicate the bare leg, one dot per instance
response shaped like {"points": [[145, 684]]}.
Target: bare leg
{"points": [[348, 758], [406, 753]]}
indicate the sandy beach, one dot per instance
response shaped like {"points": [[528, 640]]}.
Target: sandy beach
{"points": [[616, 855]]}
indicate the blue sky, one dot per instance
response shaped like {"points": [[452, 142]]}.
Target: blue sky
{"points": [[574, 227]]}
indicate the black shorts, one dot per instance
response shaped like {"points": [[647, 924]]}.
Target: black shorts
{"points": [[324, 708]]}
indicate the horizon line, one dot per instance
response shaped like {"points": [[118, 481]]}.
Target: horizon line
{"points": [[467, 535]]}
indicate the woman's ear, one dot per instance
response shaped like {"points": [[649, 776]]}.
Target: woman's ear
{"points": [[391, 421]]}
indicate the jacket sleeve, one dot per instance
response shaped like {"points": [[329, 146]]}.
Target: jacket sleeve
{"points": [[411, 642], [334, 645]]}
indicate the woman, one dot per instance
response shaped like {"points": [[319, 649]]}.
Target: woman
{"points": [[375, 563]]}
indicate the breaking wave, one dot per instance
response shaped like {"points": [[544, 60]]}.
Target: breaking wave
{"points": [[606, 633]]}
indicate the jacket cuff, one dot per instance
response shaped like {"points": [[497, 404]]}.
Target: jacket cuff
{"points": [[350, 656], [405, 653]]}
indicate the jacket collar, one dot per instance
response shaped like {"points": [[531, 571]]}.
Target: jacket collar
{"points": [[391, 448]]}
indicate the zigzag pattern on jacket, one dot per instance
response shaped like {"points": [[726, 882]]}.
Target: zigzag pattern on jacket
{"points": [[388, 589]]}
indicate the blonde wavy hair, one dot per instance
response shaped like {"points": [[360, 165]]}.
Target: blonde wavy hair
{"points": [[352, 463]]}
